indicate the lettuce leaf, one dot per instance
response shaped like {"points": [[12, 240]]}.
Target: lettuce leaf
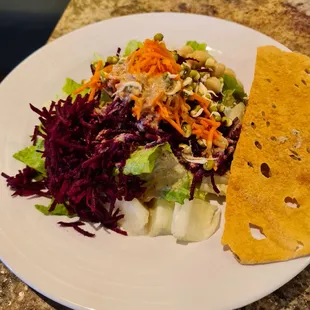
{"points": [[143, 160], [70, 86], [97, 57], [132, 46], [220, 181], [228, 98], [231, 83], [104, 98], [164, 176], [180, 190], [60, 209], [197, 46], [30, 157]]}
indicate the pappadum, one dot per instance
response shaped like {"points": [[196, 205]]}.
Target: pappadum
{"points": [[267, 215]]}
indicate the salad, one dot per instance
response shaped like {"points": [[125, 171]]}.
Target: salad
{"points": [[140, 145]]}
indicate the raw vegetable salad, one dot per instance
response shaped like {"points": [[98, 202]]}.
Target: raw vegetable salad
{"points": [[139, 146]]}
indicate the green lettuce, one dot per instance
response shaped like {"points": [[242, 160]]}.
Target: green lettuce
{"points": [[97, 57], [197, 46], [220, 181], [70, 86], [164, 176], [200, 194], [180, 190], [60, 209], [143, 160], [30, 157], [228, 98], [132, 46], [231, 83], [104, 98]]}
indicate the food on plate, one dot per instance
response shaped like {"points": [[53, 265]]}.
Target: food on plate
{"points": [[267, 215], [160, 218], [194, 221], [140, 145]]}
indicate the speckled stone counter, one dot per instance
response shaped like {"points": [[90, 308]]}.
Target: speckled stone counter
{"points": [[287, 21]]}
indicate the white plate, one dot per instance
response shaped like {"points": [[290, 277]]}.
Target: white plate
{"points": [[112, 271]]}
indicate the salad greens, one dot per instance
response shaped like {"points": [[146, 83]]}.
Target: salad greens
{"points": [[32, 157], [197, 46], [165, 177], [231, 84], [228, 99], [70, 86], [132, 46], [97, 145], [60, 209], [180, 190], [143, 160], [97, 57]]}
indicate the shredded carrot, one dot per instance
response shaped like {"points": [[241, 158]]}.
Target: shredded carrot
{"points": [[207, 122], [203, 102], [177, 118], [108, 68], [163, 111], [152, 58], [93, 84], [217, 135], [92, 94], [137, 107], [210, 138], [157, 98], [175, 111], [176, 126]]}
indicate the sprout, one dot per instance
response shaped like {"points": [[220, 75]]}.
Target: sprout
{"points": [[213, 107], [202, 142], [186, 148], [194, 160], [158, 37], [187, 130], [112, 60], [226, 121], [176, 88], [197, 111], [194, 74], [217, 116], [209, 165], [187, 81]]}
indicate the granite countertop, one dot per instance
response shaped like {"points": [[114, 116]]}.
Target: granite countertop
{"points": [[287, 21]]}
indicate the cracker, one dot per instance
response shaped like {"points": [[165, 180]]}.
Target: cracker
{"points": [[269, 187]]}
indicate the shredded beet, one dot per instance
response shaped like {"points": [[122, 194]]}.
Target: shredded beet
{"points": [[83, 147], [235, 129], [83, 232], [71, 224], [225, 157], [76, 225], [118, 51], [215, 188], [23, 183], [92, 68], [196, 180], [81, 151], [182, 59], [204, 70]]}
